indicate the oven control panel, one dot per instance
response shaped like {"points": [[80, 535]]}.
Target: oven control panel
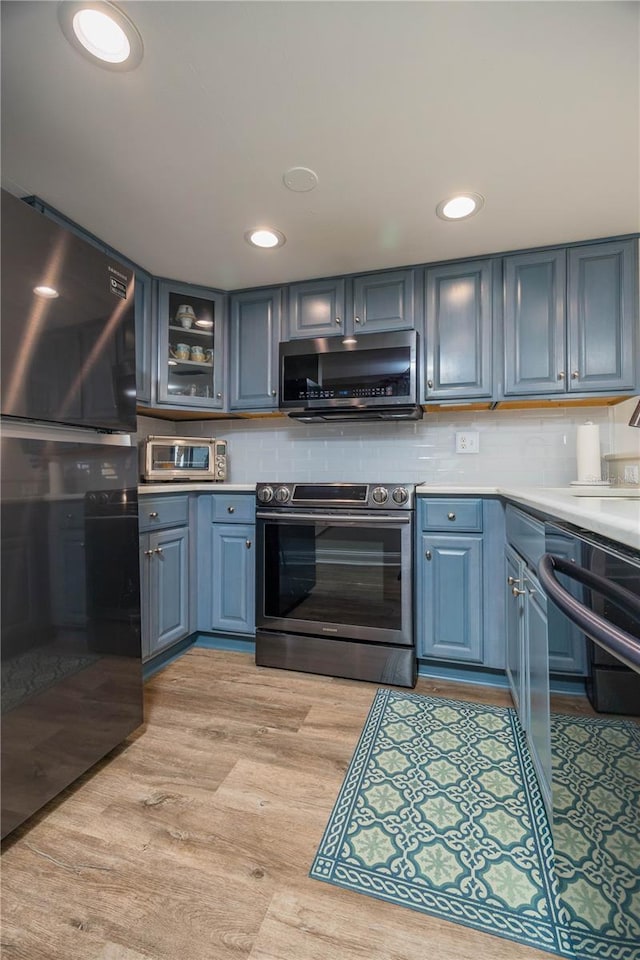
{"points": [[390, 496]]}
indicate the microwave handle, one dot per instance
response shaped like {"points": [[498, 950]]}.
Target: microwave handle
{"points": [[620, 644]]}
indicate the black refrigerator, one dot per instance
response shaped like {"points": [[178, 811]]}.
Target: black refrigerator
{"points": [[71, 677]]}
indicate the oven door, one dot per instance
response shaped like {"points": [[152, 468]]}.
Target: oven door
{"points": [[341, 576]]}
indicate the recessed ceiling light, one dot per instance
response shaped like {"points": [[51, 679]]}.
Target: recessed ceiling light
{"points": [[101, 32], [460, 207], [265, 237], [49, 293]]}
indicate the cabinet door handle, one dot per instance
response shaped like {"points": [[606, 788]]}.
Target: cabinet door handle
{"points": [[574, 374], [231, 509], [274, 393], [158, 550], [148, 553], [430, 383], [338, 321], [561, 375], [516, 592], [248, 544], [511, 581], [153, 516], [357, 319], [428, 554], [451, 516], [219, 396]]}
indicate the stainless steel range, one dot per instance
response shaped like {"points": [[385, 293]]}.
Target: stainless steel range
{"points": [[334, 579]]}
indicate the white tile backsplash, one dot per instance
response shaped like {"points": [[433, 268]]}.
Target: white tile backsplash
{"points": [[529, 447]]}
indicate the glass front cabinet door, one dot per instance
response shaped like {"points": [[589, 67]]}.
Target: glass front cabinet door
{"points": [[190, 346]]}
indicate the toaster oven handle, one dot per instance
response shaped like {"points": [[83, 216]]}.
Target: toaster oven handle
{"points": [[620, 644]]}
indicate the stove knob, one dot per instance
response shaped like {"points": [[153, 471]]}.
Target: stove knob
{"points": [[400, 494], [282, 494], [265, 495], [380, 495]]}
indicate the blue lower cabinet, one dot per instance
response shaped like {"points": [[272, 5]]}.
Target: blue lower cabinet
{"points": [[164, 582], [450, 608], [231, 597], [226, 564]]}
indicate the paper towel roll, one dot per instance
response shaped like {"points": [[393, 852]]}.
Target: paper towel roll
{"points": [[588, 452]]}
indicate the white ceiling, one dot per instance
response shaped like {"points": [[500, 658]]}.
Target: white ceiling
{"points": [[396, 105]]}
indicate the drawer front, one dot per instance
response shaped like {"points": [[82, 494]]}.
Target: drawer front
{"points": [[450, 514], [525, 534], [234, 508], [169, 511]]}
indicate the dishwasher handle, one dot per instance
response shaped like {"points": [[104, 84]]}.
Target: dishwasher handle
{"points": [[620, 644]]}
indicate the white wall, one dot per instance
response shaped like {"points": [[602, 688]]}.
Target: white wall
{"points": [[524, 447]]}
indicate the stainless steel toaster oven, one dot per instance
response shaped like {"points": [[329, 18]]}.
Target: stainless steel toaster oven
{"points": [[184, 458]]}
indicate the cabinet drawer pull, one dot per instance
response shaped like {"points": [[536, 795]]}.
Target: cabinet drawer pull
{"points": [[428, 554], [451, 516], [248, 544], [511, 581], [516, 592], [159, 551], [153, 516], [231, 509], [148, 553]]}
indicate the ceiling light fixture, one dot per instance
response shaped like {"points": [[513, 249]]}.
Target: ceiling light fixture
{"points": [[48, 293], [349, 340], [101, 32], [460, 207], [265, 237]]}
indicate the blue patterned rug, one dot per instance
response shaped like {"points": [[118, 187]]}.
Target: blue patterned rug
{"points": [[440, 811]]}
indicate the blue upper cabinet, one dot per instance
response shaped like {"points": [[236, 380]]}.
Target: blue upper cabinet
{"points": [[369, 303], [382, 302], [191, 334], [534, 323], [602, 306], [316, 309], [571, 320], [254, 333], [458, 330]]}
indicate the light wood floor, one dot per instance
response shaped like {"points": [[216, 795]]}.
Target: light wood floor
{"points": [[194, 840]]}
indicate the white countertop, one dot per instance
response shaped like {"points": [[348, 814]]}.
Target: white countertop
{"points": [[614, 518], [202, 487]]}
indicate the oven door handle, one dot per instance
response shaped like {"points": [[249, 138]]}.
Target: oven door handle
{"points": [[325, 518], [620, 644]]}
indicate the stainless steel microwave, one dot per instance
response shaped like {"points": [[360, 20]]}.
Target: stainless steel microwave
{"points": [[184, 458], [371, 377]]}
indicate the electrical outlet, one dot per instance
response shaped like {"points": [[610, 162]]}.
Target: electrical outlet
{"points": [[631, 473], [468, 442]]}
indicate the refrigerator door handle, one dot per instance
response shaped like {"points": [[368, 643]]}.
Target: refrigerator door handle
{"points": [[35, 430]]}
